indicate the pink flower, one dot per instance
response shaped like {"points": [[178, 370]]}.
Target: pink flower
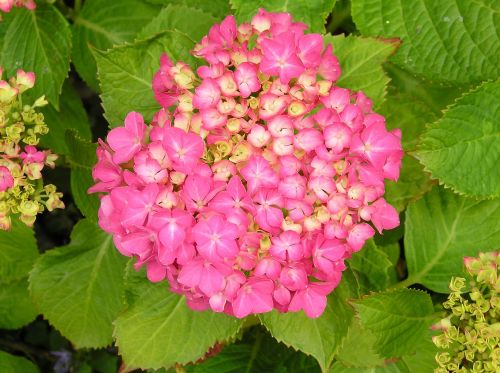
{"points": [[312, 299], [280, 58], [329, 67], [139, 205], [6, 179], [198, 191], [254, 297], [106, 171], [258, 174], [207, 94], [327, 253], [216, 238], [358, 235], [202, 274], [384, 215], [268, 204], [310, 47], [234, 197], [246, 78], [183, 149], [32, 155], [127, 141], [287, 246]]}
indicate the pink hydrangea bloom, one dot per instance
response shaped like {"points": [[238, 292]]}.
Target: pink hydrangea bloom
{"points": [[257, 179], [6, 179]]}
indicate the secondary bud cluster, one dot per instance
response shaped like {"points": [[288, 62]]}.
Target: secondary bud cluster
{"points": [[256, 179], [21, 188], [471, 333]]}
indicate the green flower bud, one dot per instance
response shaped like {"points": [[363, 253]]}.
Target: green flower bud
{"points": [[28, 208], [443, 358], [5, 223], [40, 102], [457, 284], [28, 220], [14, 131]]}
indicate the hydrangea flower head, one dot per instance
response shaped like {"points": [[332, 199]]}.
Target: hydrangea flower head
{"points": [[21, 191], [256, 179]]}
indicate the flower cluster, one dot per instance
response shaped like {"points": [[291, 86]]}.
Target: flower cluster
{"points": [[256, 179], [6, 5], [471, 333], [21, 163]]}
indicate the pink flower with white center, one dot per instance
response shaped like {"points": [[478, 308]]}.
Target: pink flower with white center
{"points": [[24, 80], [287, 246], [298, 209], [271, 105], [258, 136], [227, 84], [268, 203], [322, 186], [183, 149], [139, 205], [375, 144], [337, 99], [258, 174], [246, 79], [234, 197], [216, 238], [337, 137], [148, 169], [32, 155], [268, 267], [293, 187], [198, 191], [201, 273], [329, 67], [280, 126], [280, 58], [283, 146], [327, 253], [172, 226], [6, 179], [127, 141], [207, 94], [254, 297]]}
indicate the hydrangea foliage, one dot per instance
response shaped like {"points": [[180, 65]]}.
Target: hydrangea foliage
{"points": [[258, 176], [21, 188]]}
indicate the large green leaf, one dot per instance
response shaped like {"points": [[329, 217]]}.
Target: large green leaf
{"points": [[82, 156], [16, 307], [15, 364], [440, 229], [103, 24], [217, 8], [158, 329], [71, 115], [39, 41], [453, 41], [79, 287], [398, 320], [361, 61], [372, 265], [191, 21], [311, 12], [126, 73], [257, 353], [462, 149], [320, 337], [359, 339], [18, 252]]}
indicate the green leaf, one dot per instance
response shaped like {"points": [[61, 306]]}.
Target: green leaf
{"points": [[359, 339], [82, 153], [103, 24], [217, 8], [126, 73], [449, 41], [18, 252], [81, 181], [397, 319], [158, 329], [321, 337], [441, 228], [15, 364], [16, 307], [361, 62], [372, 265], [258, 352], [191, 21], [71, 115], [311, 12], [338, 367], [423, 360], [39, 41], [461, 149], [82, 156], [79, 287]]}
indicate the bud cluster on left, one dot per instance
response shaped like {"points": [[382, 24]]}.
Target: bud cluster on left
{"points": [[21, 186]]}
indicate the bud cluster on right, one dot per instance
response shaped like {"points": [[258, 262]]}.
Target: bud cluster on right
{"points": [[471, 333]]}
